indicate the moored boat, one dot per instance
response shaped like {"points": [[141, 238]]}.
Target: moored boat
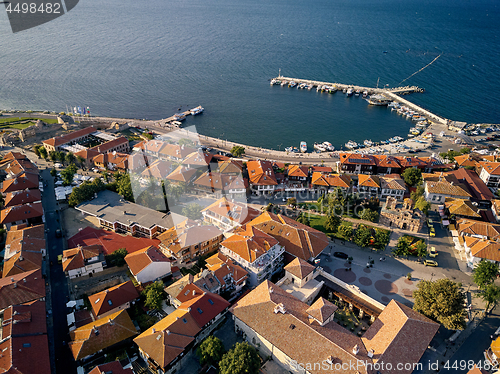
{"points": [[303, 146], [368, 143], [379, 100], [197, 110], [350, 91]]}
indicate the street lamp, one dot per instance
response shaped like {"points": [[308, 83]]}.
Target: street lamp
{"points": [[279, 146]]}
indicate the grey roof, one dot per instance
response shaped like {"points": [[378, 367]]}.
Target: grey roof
{"points": [[110, 207]]}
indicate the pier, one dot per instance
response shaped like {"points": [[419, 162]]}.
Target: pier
{"points": [[391, 93]]}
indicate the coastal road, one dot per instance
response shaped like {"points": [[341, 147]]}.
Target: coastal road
{"points": [[64, 362]]}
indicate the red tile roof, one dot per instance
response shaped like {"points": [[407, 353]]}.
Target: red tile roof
{"points": [[21, 288], [249, 243], [298, 171], [205, 307], [60, 140], [75, 258], [261, 173], [104, 301], [368, 181], [21, 212], [21, 262], [16, 350], [299, 268], [22, 181], [111, 368], [476, 186], [109, 240], [492, 168], [159, 169], [22, 197]]}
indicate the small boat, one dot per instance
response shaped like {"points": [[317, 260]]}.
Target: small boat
{"points": [[357, 92], [284, 83], [365, 94], [197, 110], [398, 138], [310, 86], [302, 86], [303, 147], [179, 117], [350, 91], [328, 146], [320, 147], [319, 88], [351, 145], [292, 84], [368, 143], [344, 90]]}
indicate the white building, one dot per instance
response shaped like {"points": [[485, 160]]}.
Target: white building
{"points": [[148, 264], [83, 261]]}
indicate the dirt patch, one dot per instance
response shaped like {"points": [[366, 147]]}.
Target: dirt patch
{"points": [[74, 221]]}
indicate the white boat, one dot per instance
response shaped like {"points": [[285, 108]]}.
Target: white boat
{"points": [[292, 84], [357, 92], [365, 94], [197, 110], [319, 88], [344, 90], [350, 91], [284, 83], [328, 146], [398, 138], [320, 147], [310, 86], [351, 145], [303, 147], [368, 143], [302, 85]]}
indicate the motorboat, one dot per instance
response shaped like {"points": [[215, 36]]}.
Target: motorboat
{"points": [[379, 100], [368, 143], [303, 147], [197, 110], [350, 91], [320, 147]]}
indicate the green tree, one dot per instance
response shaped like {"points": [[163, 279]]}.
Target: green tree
{"points": [[36, 149], [369, 215], [241, 359], [124, 187], [43, 152], [412, 176], [345, 231], [61, 157], [68, 174], [490, 294], [442, 301], [337, 201], [363, 236], [237, 150], [402, 248], [148, 135], [423, 205], [85, 191], [69, 157], [292, 202], [382, 238], [118, 257], [105, 175], [332, 222], [485, 273], [420, 249], [210, 350], [53, 172], [192, 211], [304, 219], [154, 295], [465, 150], [419, 191], [269, 207], [80, 160], [53, 156], [186, 142]]}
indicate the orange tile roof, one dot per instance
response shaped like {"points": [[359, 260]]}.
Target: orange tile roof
{"points": [[75, 258], [338, 180], [298, 171], [113, 297], [205, 307], [175, 151], [471, 227], [319, 179], [483, 248], [176, 288], [444, 184], [295, 334], [467, 160], [198, 159], [392, 183], [356, 159], [141, 259], [261, 173], [321, 310], [492, 168], [120, 160], [101, 333], [249, 243], [159, 169], [387, 161], [60, 140], [21, 262], [168, 338], [233, 211], [475, 185], [368, 180], [322, 169], [392, 335], [300, 268], [407, 162], [176, 239], [461, 207], [24, 238], [137, 161], [230, 166], [298, 239], [222, 266], [181, 174], [190, 291]]}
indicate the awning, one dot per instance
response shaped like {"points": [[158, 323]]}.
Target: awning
{"points": [[446, 222], [70, 318], [71, 304]]}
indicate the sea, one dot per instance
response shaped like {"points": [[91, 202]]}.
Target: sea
{"points": [[150, 59]]}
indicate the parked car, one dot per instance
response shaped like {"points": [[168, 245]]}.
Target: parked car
{"points": [[58, 233], [59, 259], [341, 255], [430, 263], [432, 232], [433, 252]]}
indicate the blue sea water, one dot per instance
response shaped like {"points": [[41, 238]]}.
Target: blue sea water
{"points": [[140, 59]]}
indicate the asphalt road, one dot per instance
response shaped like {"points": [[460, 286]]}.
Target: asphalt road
{"points": [[473, 348], [64, 362]]}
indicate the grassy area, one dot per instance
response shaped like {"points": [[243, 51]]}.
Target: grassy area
{"points": [[22, 122], [318, 222]]}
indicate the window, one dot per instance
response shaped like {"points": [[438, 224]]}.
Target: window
{"points": [[210, 301], [110, 302], [26, 345], [199, 310]]}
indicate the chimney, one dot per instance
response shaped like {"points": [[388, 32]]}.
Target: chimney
{"points": [[110, 322], [24, 280], [370, 353], [154, 330], [194, 292], [355, 350]]}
